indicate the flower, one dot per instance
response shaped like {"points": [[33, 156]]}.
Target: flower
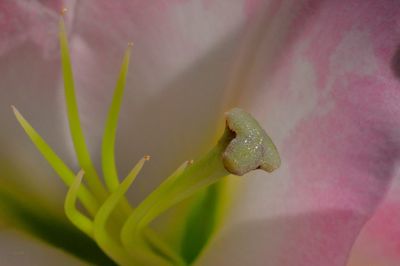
{"points": [[321, 76]]}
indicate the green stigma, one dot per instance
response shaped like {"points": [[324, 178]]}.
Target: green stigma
{"points": [[122, 231]]}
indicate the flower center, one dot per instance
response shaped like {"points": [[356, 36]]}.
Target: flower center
{"points": [[124, 232]]}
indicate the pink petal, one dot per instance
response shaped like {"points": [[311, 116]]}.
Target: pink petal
{"points": [[28, 21], [329, 95], [29, 73], [379, 241]]}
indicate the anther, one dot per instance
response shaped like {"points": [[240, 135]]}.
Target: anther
{"points": [[146, 157], [63, 11]]}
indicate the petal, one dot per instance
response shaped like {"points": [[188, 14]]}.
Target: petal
{"points": [[29, 68], [379, 241], [328, 95], [31, 22]]}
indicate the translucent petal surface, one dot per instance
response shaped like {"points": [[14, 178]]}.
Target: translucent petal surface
{"points": [[329, 94]]}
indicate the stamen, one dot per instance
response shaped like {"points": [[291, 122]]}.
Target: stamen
{"points": [[147, 204], [74, 215], [64, 10], [101, 235], [113, 200], [106, 241], [108, 146], [67, 176], [76, 131]]}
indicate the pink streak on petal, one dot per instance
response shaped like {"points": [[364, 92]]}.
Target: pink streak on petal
{"points": [[379, 241], [330, 99], [344, 158], [349, 144], [252, 6], [34, 21]]}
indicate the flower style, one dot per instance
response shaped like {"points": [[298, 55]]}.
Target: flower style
{"points": [[320, 76]]}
